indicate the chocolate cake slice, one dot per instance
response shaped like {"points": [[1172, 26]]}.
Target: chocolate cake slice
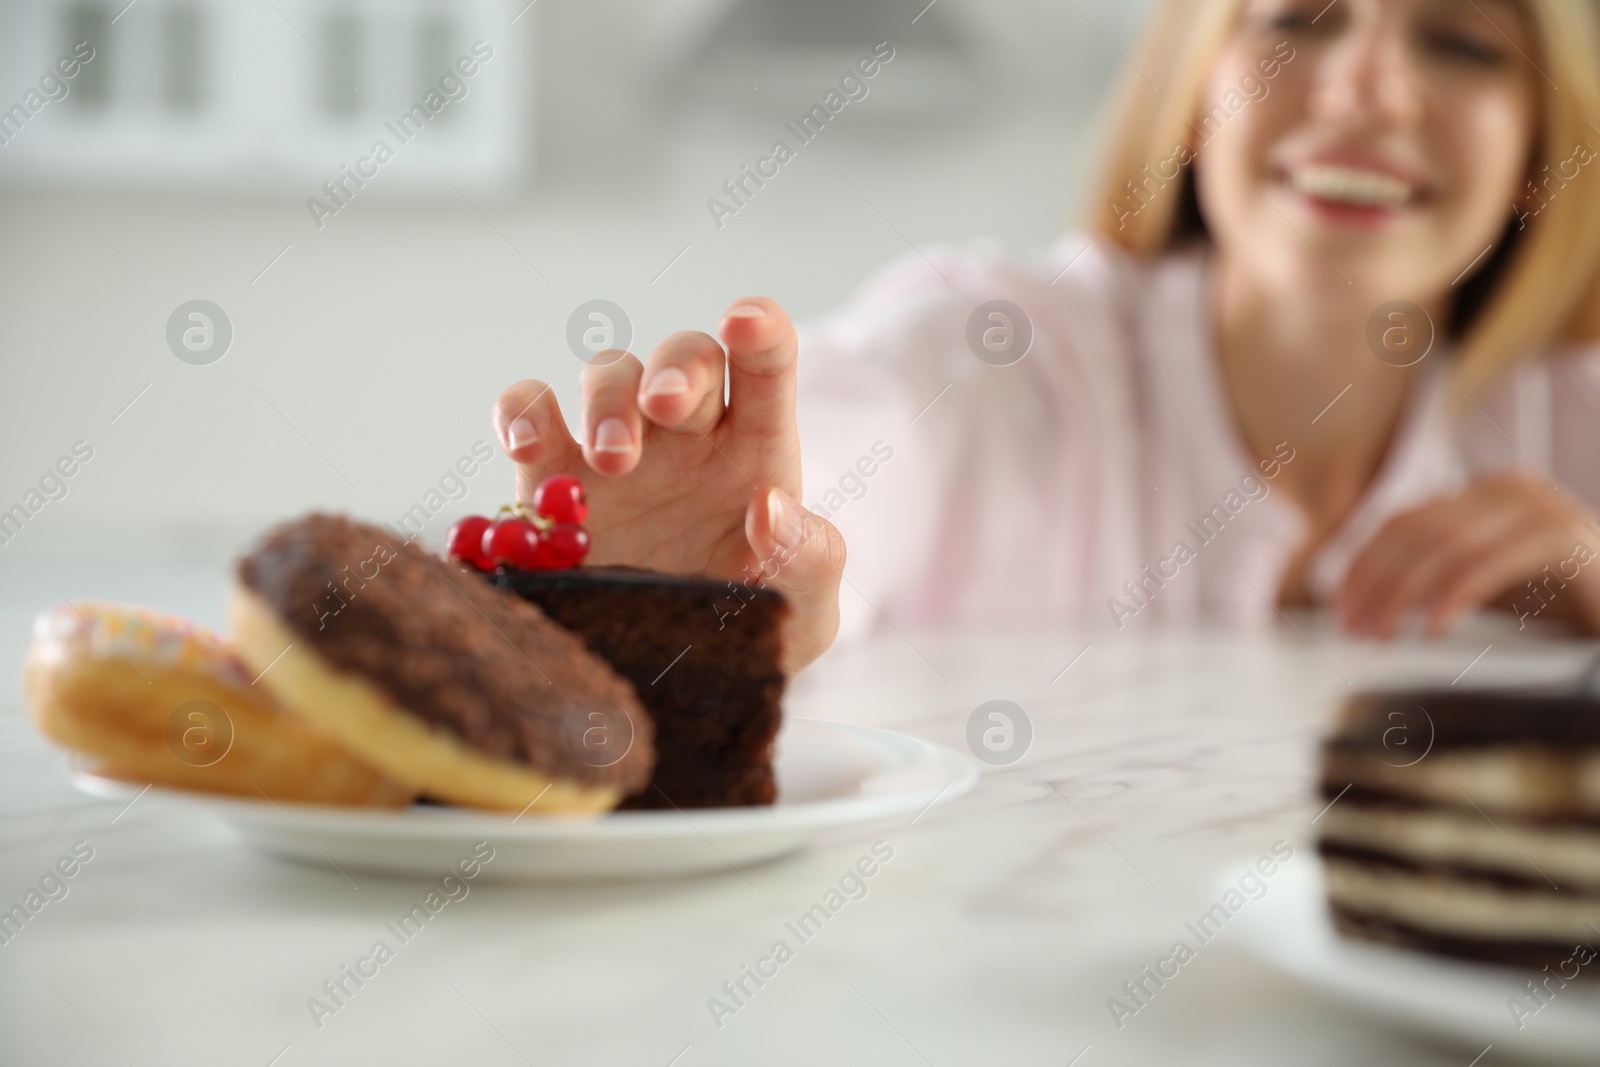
{"points": [[703, 656], [1466, 824]]}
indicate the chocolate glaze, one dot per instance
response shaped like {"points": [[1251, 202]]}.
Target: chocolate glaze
{"points": [[1467, 719], [450, 648]]}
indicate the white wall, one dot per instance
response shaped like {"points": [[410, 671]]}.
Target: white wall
{"points": [[383, 338]]}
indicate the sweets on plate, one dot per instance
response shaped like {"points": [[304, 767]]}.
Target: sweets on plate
{"points": [[1465, 823], [444, 682], [369, 671], [152, 698]]}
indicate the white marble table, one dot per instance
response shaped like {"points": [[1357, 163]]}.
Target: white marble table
{"points": [[1004, 922]]}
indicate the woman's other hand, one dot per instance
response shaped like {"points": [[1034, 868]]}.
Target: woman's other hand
{"points": [[1513, 540], [688, 484]]}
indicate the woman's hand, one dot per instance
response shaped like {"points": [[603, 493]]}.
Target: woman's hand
{"points": [[1479, 547], [687, 484]]}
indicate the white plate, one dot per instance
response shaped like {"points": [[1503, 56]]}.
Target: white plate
{"points": [[1291, 930], [830, 775]]}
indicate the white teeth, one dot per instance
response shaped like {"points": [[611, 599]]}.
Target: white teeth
{"points": [[1351, 185]]}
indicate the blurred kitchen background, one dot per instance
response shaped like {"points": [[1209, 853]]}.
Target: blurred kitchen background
{"points": [[575, 164]]}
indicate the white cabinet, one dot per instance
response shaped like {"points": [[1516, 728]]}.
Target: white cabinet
{"points": [[279, 95]]}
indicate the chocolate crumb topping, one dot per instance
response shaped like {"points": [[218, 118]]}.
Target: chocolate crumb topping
{"points": [[450, 648], [1463, 719]]}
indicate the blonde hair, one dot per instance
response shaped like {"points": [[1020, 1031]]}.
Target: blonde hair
{"points": [[1539, 288]]}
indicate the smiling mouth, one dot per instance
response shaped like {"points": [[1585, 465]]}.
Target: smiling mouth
{"points": [[1351, 186]]}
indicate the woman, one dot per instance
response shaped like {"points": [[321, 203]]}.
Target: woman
{"points": [[1320, 347]]}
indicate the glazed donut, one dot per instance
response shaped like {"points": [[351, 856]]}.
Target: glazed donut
{"points": [[422, 668], [154, 698]]}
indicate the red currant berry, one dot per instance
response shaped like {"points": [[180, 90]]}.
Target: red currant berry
{"points": [[514, 543], [561, 499], [563, 545], [465, 541]]}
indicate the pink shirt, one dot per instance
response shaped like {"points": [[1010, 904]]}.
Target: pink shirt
{"points": [[1041, 491]]}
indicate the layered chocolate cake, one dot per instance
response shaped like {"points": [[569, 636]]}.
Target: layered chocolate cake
{"points": [[703, 656], [1466, 824]]}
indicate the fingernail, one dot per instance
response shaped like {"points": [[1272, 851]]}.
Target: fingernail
{"points": [[612, 436], [668, 381], [783, 518], [746, 311], [520, 433]]}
